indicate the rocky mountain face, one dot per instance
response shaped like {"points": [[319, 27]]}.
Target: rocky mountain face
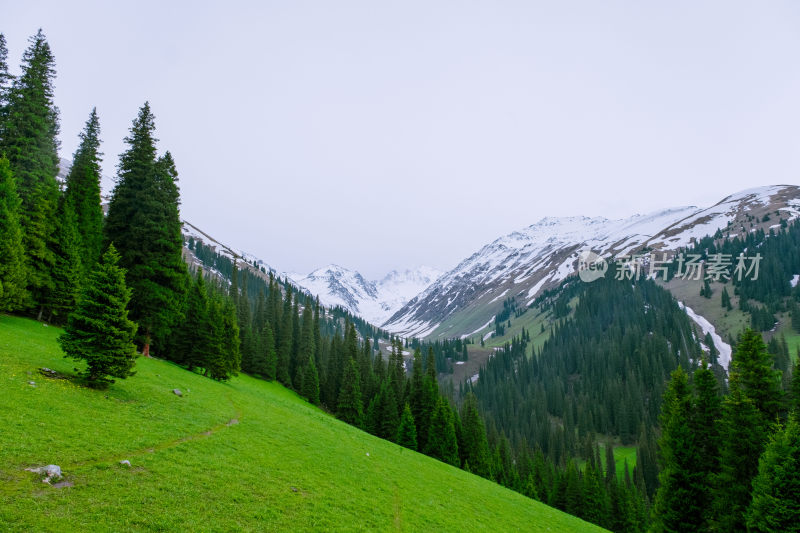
{"points": [[524, 263]]}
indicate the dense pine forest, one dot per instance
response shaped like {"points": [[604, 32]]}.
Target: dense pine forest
{"points": [[623, 365]]}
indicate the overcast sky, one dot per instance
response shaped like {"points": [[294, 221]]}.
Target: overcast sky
{"points": [[381, 135]]}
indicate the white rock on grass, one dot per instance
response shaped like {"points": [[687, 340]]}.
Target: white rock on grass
{"points": [[50, 472]]}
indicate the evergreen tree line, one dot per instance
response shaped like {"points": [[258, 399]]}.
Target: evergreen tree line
{"points": [[771, 292], [445, 352], [730, 462], [112, 281]]}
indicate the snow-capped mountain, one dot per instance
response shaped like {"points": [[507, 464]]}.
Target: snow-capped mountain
{"points": [[374, 301], [526, 262]]}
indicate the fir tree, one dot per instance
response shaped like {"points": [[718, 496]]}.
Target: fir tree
{"points": [[350, 408], [271, 356], [82, 193], [285, 342], [29, 140], [193, 342], [144, 224], [407, 432], [705, 421], [611, 465], [311, 381], [5, 80], [742, 440], [473, 445], [441, 442], [795, 386], [726, 299], [66, 273], [677, 503], [758, 379], [99, 330], [776, 488], [13, 295]]}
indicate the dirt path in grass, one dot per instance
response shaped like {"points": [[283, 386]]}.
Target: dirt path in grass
{"points": [[116, 457]]}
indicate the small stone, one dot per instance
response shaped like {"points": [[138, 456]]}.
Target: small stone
{"points": [[177, 392], [294, 489], [32, 383], [125, 462], [367, 454]]}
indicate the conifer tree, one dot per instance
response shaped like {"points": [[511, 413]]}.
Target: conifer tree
{"points": [[66, 273], [311, 381], [677, 502], [757, 377], [193, 342], [441, 442], [144, 224], [795, 386], [705, 426], [99, 330], [742, 431], [29, 140], [5, 80], [13, 295], [726, 298], [387, 413], [82, 193], [611, 465], [285, 343], [350, 407], [407, 432], [270, 355], [473, 445], [776, 488]]}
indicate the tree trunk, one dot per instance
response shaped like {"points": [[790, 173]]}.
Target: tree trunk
{"points": [[146, 349]]}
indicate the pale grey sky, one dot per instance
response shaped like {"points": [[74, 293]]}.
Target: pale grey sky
{"points": [[380, 135]]}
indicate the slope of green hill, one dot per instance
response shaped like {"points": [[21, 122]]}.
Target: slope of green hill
{"points": [[245, 455]]}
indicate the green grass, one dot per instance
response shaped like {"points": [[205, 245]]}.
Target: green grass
{"points": [[241, 456]]}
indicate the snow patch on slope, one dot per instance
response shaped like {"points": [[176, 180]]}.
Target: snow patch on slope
{"points": [[723, 348]]}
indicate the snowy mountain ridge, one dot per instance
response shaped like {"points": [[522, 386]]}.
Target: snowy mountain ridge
{"points": [[375, 301], [525, 262]]}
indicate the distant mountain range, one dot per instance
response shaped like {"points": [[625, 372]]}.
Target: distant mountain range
{"points": [[524, 263], [375, 301], [427, 303]]}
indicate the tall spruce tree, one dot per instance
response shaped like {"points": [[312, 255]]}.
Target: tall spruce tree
{"points": [[67, 273], [473, 445], [776, 488], [311, 381], [193, 337], [677, 503], [13, 295], [82, 193], [742, 431], [5, 82], [99, 330], [705, 426], [757, 377], [144, 224], [350, 407], [407, 432], [441, 442], [29, 140]]}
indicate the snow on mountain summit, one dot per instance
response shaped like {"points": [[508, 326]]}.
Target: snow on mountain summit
{"points": [[374, 301], [528, 261]]}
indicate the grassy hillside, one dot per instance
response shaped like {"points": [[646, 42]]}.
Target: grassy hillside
{"points": [[244, 455]]}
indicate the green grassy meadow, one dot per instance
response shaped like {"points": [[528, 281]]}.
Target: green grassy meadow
{"points": [[247, 455]]}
